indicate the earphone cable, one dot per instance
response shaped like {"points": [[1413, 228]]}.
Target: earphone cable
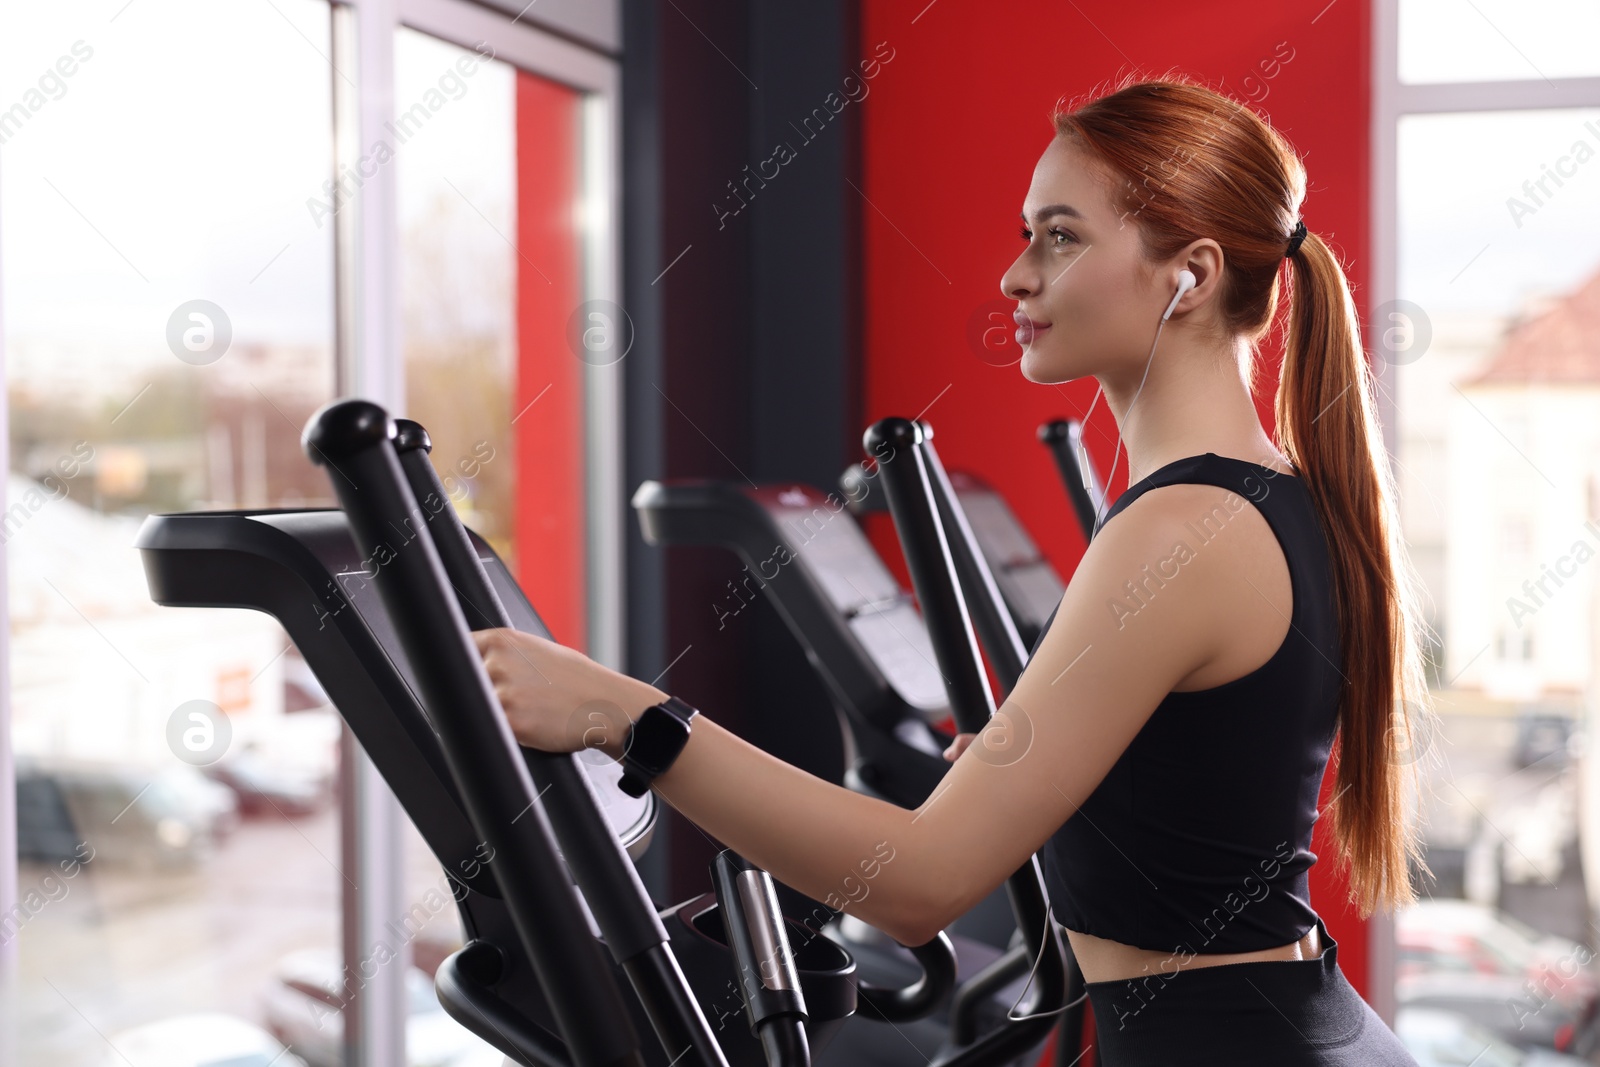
{"points": [[1122, 426]]}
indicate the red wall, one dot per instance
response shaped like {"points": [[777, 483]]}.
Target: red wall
{"points": [[548, 407], [951, 131]]}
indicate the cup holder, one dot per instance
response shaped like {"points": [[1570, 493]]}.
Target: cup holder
{"points": [[827, 971]]}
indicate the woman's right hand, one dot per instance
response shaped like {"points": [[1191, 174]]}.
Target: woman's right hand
{"points": [[958, 746]]}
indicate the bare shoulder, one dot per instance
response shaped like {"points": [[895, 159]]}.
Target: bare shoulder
{"points": [[1213, 557], [1184, 583], [1140, 604]]}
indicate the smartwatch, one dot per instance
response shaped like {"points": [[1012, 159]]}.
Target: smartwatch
{"points": [[654, 741]]}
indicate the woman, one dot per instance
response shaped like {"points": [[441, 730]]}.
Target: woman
{"points": [[1251, 611]]}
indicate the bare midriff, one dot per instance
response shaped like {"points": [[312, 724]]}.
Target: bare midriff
{"points": [[1103, 960]]}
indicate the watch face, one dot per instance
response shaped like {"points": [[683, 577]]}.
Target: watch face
{"points": [[654, 742]]}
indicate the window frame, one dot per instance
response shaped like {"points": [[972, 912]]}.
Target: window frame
{"points": [[371, 362]]}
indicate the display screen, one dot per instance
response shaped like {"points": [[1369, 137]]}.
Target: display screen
{"points": [[629, 817]]}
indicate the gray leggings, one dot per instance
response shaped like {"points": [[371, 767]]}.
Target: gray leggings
{"points": [[1284, 1013]]}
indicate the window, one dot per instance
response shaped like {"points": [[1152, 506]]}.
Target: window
{"points": [[1516, 538], [1495, 40], [1488, 239], [457, 182], [169, 327], [167, 181], [1514, 646]]}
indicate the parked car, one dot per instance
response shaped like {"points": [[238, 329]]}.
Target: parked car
{"points": [[205, 1039], [1503, 1005], [1543, 737], [1444, 1039], [215, 806], [266, 788], [114, 814], [303, 1010], [1458, 936]]}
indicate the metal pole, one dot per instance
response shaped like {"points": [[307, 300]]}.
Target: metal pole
{"points": [[8, 784], [368, 363]]}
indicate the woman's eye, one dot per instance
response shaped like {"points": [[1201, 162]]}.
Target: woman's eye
{"points": [[1027, 235]]}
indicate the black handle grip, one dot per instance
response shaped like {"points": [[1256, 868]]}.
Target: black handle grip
{"points": [[907, 487], [479, 602], [907, 484], [1064, 438], [352, 439], [996, 628], [597, 860]]}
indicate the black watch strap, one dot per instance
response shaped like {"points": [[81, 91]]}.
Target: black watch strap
{"points": [[654, 740]]}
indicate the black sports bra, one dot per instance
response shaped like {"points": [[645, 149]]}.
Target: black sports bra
{"points": [[1198, 840]]}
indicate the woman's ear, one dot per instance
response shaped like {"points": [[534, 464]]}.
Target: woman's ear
{"points": [[1203, 259]]}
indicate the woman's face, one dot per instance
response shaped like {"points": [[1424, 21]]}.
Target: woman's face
{"points": [[1081, 278]]}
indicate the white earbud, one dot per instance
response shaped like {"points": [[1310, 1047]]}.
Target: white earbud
{"points": [[1185, 283]]}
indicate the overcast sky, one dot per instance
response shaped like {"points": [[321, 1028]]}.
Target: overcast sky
{"points": [[177, 160], [1461, 247]]}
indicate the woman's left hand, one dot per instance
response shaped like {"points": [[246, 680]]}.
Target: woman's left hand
{"points": [[557, 699]]}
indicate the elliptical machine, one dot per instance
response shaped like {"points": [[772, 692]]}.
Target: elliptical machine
{"points": [[379, 597], [946, 533], [1027, 583], [874, 651]]}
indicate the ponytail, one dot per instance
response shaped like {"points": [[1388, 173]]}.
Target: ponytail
{"points": [[1327, 426]]}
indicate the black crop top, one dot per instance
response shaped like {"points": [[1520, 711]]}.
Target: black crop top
{"points": [[1198, 840]]}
